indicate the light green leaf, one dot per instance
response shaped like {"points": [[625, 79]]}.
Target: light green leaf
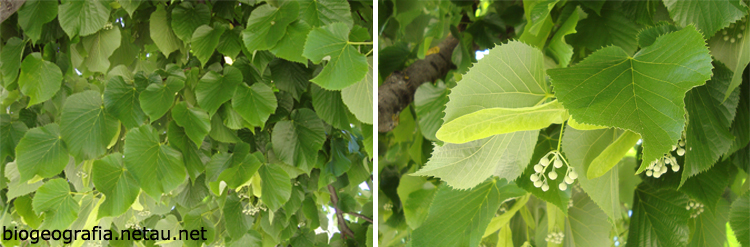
{"points": [[463, 166], [494, 121], [16, 187], [157, 98], [588, 224], [117, 183], [187, 17], [214, 89], [731, 47], [416, 197], [659, 217], [99, 47], [276, 186], [358, 96], [255, 103], [707, 17], [739, 218], [41, 152], [297, 141], [85, 126], [54, 200], [462, 224], [83, 18], [24, 209], [710, 228], [39, 79], [161, 32], [34, 14], [558, 47], [429, 103], [195, 121], [582, 126], [10, 60], [611, 155], [612, 27], [121, 101], [267, 25], [205, 39], [323, 12], [291, 46], [241, 170], [158, 168], [329, 107], [346, 65], [169, 224], [130, 5], [536, 12], [194, 221], [503, 219], [648, 88]]}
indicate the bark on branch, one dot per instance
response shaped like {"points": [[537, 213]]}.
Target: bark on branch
{"points": [[8, 7], [343, 228], [397, 92]]}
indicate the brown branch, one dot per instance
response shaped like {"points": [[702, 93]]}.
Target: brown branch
{"points": [[8, 7], [397, 92], [360, 216], [343, 228]]}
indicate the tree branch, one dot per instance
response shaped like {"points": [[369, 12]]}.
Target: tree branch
{"points": [[397, 92], [345, 231], [360, 216], [8, 7]]}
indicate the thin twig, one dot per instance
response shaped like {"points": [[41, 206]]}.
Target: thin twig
{"points": [[345, 231], [360, 216]]}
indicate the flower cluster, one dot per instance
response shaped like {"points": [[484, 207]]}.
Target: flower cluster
{"points": [[388, 206], [555, 237], [659, 167], [251, 209], [696, 209], [541, 177], [734, 38]]}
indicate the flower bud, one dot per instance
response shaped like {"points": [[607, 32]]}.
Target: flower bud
{"points": [[552, 175], [573, 175], [544, 162], [538, 183], [569, 180], [545, 187], [538, 168], [558, 163], [534, 177], [563, 186]]}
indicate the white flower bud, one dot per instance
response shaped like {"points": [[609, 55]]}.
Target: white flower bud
{"points": [[538, 183], [558, 163], [552, 175], [563, 186], [538, 168], [649, 173], [674, 147], [534, 177], [657, 175], [726, 38], [545, 187], [682, 143], [544, 162], [675, 168], [573, 175], [680, 151], [731, 40], [568, 180]]}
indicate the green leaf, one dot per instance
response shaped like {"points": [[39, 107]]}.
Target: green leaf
{"points": [[221, 132], [161, 33], [462, 224], [16, 187], [659, 217], [169, 224], [582, 147], [291, 46], [612, 27], [741, 123], [241, 170], [204, 40], [195, 121], [130, 5], [611, 155], [85, 126], [255, 103], [194, 221], [297, 141], [346, 65], [121, 101], [117, 183], [11, 133], [647, 36], [267, 25], [39, 79], [41, 152], [157, 98], [230, 43], [358, 96], [739, 218], [494, 121], [731, 48], [707, 17], [54, 200], [83, 18], [34, 14], [710, 228], [466, 165], [290, 77], [24, 209], [648, 88], [708, 134], [276, 186], [99, 47], [252, 239], [329, 107], [323, 12], [708, 187], [547, 141], [561, 50], [214, 89], [429, 103], [158, 168], [588, 224], [536, 12], [416, 197], [186, 18], [10, 60], [193, 158]]}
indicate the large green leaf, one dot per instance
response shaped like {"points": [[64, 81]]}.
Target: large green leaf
{"points": [[297, 141], [193, 158], [732, 47], [99, 47], [41, 152], [462, 224], [276, 184], [214, 89], [241, 170], [346, 65], [39, 79], [55, 201], [561, 50], [34, 14], [255, 103], [494, 121], [741, 123], [157, 98], [612, 27], [11, 132], [158, 168], [710, 228], [358, 96], [739, 218], [329, 107], [83, 17], [588, 224], [10, 60], [267, 25], [709, 118], [536, 12], [205, 39], [292, 45], [708, 17], [429, 103], [230, 43], [647, 36], [659, 218], [237, 223], [161, 32], [187, 17], [121, 100], [323, 12], [611, 155], [463, 166], [86, 127], [290, 77], [117, 183], [25, 210], [195, 121], [130, 5], [645, 91]]}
